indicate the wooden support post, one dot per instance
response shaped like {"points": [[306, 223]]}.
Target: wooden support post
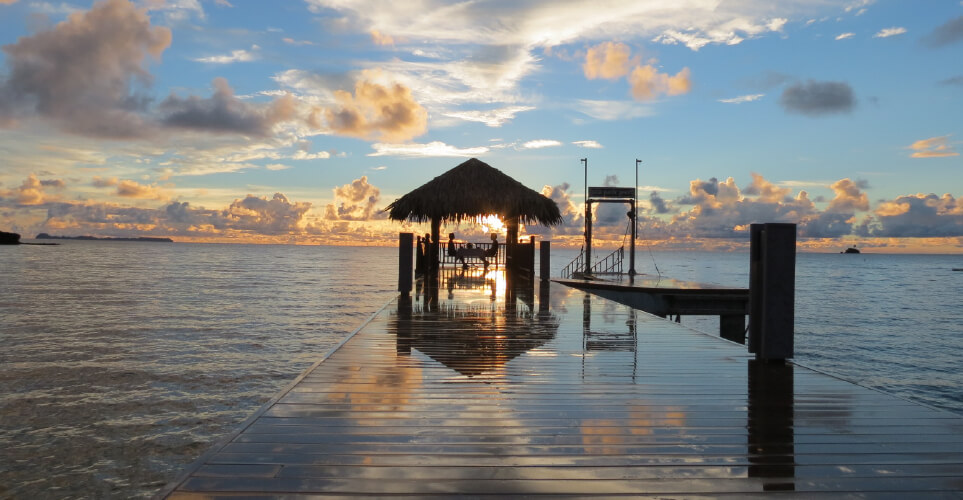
{"points": [[405, 241], [772, 285], [545, 260], [433, 261], [733, 327]]}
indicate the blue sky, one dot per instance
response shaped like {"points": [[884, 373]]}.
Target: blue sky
{"points": [[297, 122]]}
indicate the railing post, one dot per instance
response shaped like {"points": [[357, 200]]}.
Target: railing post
{"points": [[772, 285], [405, 241], [545, 259]]}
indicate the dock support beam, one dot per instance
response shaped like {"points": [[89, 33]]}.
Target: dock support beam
{"points": [[545, 260], [405, 241], [772, 285]]}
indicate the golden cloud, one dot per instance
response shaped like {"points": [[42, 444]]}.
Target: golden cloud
{"points": [[934, 147], [389, 112], [647, 83], [609, 60]]}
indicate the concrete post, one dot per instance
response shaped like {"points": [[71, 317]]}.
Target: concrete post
{"points": [[405, 241], [772, 285], [545, 260]]}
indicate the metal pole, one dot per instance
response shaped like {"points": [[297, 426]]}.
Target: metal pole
{"points": [[635, 218], [588, 221]]}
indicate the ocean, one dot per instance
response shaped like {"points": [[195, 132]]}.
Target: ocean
{"points": [[121, 362]]}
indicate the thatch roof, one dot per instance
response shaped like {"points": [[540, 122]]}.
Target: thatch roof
{"points": [[474, 189]]}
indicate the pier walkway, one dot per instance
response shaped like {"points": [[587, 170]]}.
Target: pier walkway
{"points": [[558, 392]]}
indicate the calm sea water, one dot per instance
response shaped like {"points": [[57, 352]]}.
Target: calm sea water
{"points": [[121, 362]]}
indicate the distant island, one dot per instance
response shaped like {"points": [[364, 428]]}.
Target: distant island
{"points": [[45, 236], [9, 238]]}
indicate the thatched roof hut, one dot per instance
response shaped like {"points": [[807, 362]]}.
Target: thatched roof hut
{"points": [[474, 189]]}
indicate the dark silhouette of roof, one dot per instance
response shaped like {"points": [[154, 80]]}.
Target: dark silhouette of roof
{"points": [[474, 189]]}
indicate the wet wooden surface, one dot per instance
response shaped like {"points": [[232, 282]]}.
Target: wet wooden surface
{"points": [[560, 393]]}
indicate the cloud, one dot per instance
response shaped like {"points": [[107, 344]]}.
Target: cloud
{"points": [[276, 166], [225, 113], [588, 144], [647, 83], [612, 60], [946, 34], [386, 112], [657, 204], [934, 147], [84, 73], [721, 209], [432, 149], [357, 201], [742, 99], [849, 198], [917, 216], [131, 189], [540, 144], [32, 191], [266, 216], [234, 56], [572, 216], [613, 110], [888, 32], [818, 98], [956, 80], [609, 61], [291, 41], [843, 36], [244, 218], [491, 118], [381, 39]]}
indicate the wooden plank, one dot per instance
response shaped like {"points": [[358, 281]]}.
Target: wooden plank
{"points": [[475, 397]]}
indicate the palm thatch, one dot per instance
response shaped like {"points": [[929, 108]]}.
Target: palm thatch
{"points": [[474, 189]]}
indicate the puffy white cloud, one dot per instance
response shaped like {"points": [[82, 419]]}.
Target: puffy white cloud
{"points": [[357, 201], [843, 36], [588, 144]]}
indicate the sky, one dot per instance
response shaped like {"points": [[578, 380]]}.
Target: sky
{"points": [[298, 122]]}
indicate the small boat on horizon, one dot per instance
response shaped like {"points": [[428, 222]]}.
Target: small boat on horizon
{"points": [[851, 249]]}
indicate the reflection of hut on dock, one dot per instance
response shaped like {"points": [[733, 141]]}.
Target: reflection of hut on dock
{"points": [[472, 341], [472, 190]]}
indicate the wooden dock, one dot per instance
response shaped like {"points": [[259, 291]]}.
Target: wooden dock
{"points": [[558, 392]]}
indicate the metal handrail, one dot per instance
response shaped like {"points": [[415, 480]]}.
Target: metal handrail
{"points": [[611, 264], [575, 266]]}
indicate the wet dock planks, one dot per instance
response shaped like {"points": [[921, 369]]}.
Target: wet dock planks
{"points": [[562, 393]]}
